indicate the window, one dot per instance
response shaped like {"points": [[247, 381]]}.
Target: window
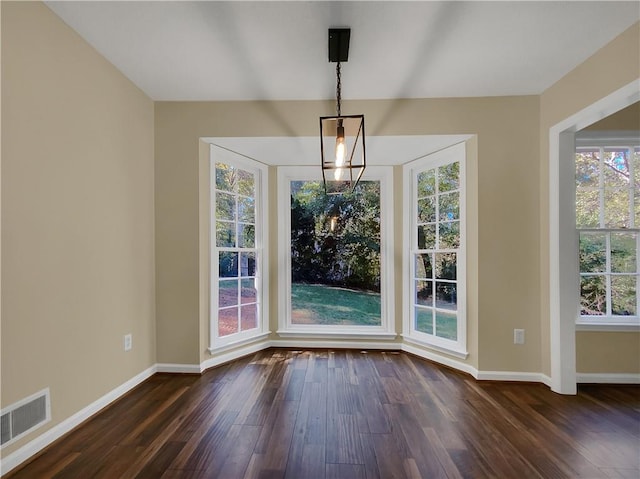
{"points": [[435, 258], [238, 286], [336, 259], [608, 226]]}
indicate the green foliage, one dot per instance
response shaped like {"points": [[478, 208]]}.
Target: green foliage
{"points": [[335, 239]]}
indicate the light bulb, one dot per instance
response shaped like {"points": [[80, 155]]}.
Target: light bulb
{"points": [[340, 147], [337, 174]]}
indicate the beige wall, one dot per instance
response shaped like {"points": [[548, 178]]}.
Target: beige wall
{"points": [[77, 217], [79, 223], [507, 209], [627, 119], [612, 67]]}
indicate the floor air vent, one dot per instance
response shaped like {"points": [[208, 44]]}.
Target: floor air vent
{"points": [[24, 416]]}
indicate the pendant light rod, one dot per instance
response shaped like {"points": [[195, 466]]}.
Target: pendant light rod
{"points": [[338, 89]]}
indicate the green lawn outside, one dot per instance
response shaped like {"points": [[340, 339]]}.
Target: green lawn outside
{"points": [[446, 323], [321, 304]]}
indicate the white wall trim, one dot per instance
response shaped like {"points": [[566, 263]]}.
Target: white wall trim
{"points": [[219, 359], [30, 449], [346, 334], [437, 358], [562, 322], [332, 344], [608, 378], [510, 376], [178, 368]]}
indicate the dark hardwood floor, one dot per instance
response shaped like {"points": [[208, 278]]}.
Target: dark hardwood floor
{"points": [[349, 414]]}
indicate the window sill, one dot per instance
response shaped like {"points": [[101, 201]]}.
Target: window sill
{"points": [[318, 334], [456, 353], [619, 327]]}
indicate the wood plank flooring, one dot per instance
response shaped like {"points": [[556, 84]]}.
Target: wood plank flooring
{"points": [[313, 414]]}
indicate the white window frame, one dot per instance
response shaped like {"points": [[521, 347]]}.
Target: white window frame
{"points": [[603, 140], [261, 175], [457, 348], [386, 330]]}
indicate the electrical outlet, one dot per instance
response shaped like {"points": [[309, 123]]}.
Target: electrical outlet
{"points": [[127, 342], [518, 336]]}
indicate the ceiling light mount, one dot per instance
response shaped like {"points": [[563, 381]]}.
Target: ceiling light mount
{"points": [[342, 145]]}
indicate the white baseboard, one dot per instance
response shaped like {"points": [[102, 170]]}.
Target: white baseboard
{"points": [[510, 376], [235, 354], [440, 359], [178, 368], [604, 378], [36, 445], [333, 344]]}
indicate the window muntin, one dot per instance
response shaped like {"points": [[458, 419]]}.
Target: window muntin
{"points": [[436, 300], [435, 260], [237, 251], [608, 223]]}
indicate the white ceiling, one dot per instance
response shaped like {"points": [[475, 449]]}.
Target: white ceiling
{"points": [[267, 50], [240, 50]]}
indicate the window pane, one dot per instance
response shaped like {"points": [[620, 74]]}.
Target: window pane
{"points": [[225, 177], [593, 252], [636, 169], [424, 268], [426, 236], [623, 253], [248, 264], [446, 265], [225, 234], [447, 325], [616, 168], [623, 295], [588, 168], [227, 321], [227, 293], [448, 176], [335, 272], [449, 235], [246, 236], [424, 320], [424, 293], [248, 292], [426, 210], [587, 208], [245, 183], [227, 264], [246, 210], [225, 206], [446, 296], [449, 207], [426, 183], [636, 206], [248, 317], [593, 296], [616, 208]]}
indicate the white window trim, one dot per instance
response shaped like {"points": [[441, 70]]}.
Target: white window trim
{"points": [[449, 155], [386, 330], [216, 343], [604, 139]]}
